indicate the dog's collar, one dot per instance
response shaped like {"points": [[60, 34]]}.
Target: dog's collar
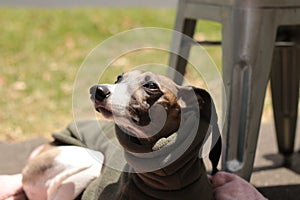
{"points": [[166, 151], [164, 142]]}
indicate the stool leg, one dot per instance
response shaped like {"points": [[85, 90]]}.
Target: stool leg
{"points": [[252, 36], [180, 46], [285, 95]]}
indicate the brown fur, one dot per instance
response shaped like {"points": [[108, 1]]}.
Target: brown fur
{"points": [[40, 164]]}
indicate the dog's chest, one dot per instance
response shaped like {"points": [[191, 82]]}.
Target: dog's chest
{"points": [[132, 186]]}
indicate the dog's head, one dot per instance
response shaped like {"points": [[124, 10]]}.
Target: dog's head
{"points": [[146, 106]]}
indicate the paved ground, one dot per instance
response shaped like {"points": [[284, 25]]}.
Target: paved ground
{"points": [[273, 180]]}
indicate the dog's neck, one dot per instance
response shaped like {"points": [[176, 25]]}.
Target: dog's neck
{"points": [[176, 176], [172, 163]]}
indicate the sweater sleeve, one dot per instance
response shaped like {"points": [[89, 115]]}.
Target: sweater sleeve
{"points": [[99, 136], [95, 135]]}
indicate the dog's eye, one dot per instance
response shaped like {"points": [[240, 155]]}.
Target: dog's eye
{"points": [[151, 86], [119, 79]]}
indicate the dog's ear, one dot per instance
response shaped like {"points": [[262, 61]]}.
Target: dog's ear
{"points": [[191, 97], [208, 111], [205, 103]]}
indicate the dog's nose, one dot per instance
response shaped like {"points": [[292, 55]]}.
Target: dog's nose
{"points": [[99, 92]]}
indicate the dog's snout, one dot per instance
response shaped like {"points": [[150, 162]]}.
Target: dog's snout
{"points": [[100, 92]]}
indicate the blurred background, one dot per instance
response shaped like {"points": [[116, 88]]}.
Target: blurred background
{"points": [[43, 44]]}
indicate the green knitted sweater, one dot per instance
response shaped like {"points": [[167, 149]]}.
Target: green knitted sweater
{"points": [[183, 178]]}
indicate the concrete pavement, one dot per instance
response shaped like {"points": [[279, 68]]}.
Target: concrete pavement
{"points": [[272, 179]]}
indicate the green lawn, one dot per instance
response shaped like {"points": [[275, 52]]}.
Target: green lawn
{"points": [[41, 51]]}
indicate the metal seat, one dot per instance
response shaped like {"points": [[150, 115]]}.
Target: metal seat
{"points": [[258, 36]]}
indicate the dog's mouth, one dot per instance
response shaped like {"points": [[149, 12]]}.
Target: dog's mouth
{"points": [[99, 107], [104, 111]]}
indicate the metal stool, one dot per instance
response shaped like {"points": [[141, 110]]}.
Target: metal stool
{"points": [[255, 33]]}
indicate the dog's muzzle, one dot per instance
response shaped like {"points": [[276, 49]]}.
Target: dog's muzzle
{"points": [[99, 96], [99, 92]]}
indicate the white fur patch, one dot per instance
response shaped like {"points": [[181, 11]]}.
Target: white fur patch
{"points": [[72, 170]]}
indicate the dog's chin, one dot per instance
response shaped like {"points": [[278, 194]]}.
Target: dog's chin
{"points": [[104, 112], [131, 142]]}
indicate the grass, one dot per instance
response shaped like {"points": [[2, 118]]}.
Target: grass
{"points": [[41, 51]]}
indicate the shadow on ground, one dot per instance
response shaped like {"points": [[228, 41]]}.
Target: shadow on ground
{"points": [[292, 163], [285, 192]]}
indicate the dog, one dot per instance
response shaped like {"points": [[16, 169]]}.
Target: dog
{"points": [[56, 173], [161, 127], [154, 117]]}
